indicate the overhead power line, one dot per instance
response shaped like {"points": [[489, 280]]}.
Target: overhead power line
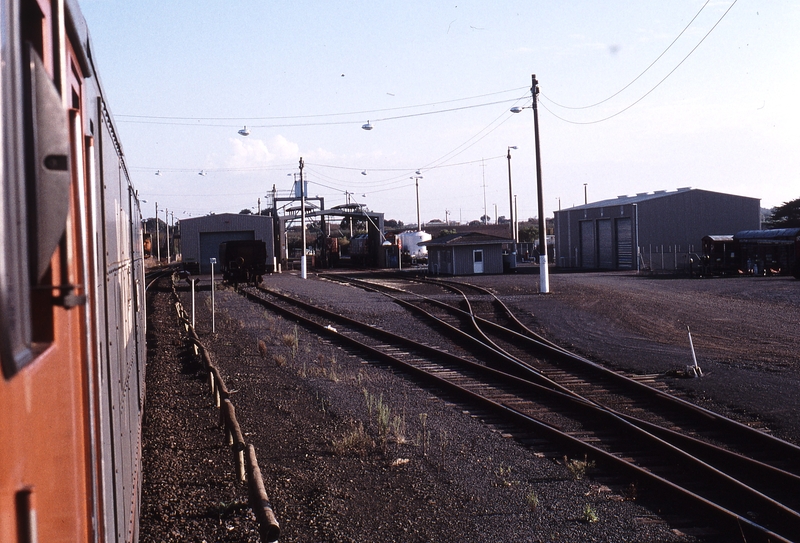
{"points": [[623, 110], [155, 119], [638, 76]]}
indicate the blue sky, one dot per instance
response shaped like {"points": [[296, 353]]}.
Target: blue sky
{"points": [[436, 80]]}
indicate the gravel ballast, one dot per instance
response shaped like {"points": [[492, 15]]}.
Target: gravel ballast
{"points": [[354, 452]]}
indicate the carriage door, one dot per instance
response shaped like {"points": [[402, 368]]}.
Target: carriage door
{"points": [[477, 261]]}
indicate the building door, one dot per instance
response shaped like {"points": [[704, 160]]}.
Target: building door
{"points": [[477, 261], [624, 244], [588, 253], [605, 246]]}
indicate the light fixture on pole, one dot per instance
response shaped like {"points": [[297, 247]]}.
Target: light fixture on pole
{"points": [[416, 179], [366, 126], [543, 270], [244, 131], [512, 222]]}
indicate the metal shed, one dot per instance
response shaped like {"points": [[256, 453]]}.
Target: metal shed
{"points": [[469, 253], [201, 236], [663, 228]]}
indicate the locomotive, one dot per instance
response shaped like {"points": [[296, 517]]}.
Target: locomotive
{"points": [[72, 293]]}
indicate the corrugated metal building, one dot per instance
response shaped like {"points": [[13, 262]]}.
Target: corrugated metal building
{"points": [[201, 236], [466, 254], [605, 235]]}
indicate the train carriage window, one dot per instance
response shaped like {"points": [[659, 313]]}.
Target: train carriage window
{"points": [[35, 187]]}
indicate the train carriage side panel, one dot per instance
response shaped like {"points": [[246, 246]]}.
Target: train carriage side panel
{"points": [[44, 466], [71, 290], [124, 360]]}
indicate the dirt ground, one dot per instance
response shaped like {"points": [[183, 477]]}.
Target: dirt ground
{"points": [[335, 472]]}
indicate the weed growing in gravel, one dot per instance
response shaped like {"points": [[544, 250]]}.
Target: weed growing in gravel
{"points": [[224, 510], [262, 348], [589, 514], [383, 414], [579, 468], [332, 374], [504, 476], [399, 429], [443, 442], [279, 359], [291, 340], [386, 425], [533, 500], [423, 419], [369, 399], [355, 442]]}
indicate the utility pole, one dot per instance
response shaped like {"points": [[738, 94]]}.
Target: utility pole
{"points": [[303, 274], [416, 179], [512, 222], [166, 224], [483, 177], [158, 237], [544, 272]]}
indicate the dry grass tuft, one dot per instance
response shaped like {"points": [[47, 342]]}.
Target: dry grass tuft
{"points": [[356, 442]]}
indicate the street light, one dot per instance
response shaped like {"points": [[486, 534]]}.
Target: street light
{"points": [[543, 270], [416, 179], [511, 198]]}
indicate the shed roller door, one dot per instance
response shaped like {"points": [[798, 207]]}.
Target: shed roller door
{"points": [[624, 243], [605, 244], [588, 255]]}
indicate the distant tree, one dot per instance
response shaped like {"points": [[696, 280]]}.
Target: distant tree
{"points": [[392, 223], [245, 212], [528, 234], [475, 223], [446, 232], [486, 219], [502, 220], [785, 216]]}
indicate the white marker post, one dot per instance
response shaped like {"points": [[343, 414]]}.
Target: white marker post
{"points": [[192, 280], [695, 370], [213, 316]]}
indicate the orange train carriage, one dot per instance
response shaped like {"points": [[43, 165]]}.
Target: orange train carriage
{"points": [[72, 316]]}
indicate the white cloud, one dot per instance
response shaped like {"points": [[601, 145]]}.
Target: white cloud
{"points": [[253, 153]]}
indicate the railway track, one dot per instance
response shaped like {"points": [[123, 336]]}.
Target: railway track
{"points": [[744, 495], [632, 396]]}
